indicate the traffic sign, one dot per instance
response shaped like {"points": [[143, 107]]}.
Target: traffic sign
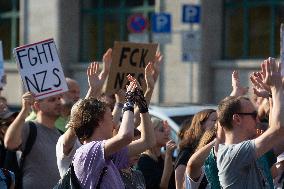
{"points": [[191, 14], [137, 23], [191, 46], [161, 23]]}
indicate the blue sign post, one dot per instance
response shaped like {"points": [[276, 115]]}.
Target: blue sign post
{"points": [[161, 23], [191, 14]]}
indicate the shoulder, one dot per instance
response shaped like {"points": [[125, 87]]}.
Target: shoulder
{"points": [[94, 146], [145, 160], [234, 148]]}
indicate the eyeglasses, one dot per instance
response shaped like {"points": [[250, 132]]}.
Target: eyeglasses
{"points": [[253, 114]]}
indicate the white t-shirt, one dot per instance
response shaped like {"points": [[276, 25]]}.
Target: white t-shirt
{"points": [[191, 184], [64, 161]]}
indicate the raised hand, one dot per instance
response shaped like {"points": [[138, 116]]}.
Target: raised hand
{"points": [[272, 73], [107, 60], [170, 147], [130, 90], [130, 94], [95, 80], [157, 65], [149, 75], [238, 89], [260, 89], [27, 101], [119, 96]]}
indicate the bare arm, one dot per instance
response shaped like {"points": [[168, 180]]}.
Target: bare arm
{"points": [[126, 129], [147, 139], [168, 165], [96, 79], [238, 89], [117, 110], [69, 139], [179, 176], [196, 161], [13, 136], [152, 72], [273, 135]]}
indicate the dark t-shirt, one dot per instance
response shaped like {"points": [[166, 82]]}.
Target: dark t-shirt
{"points": [[183, 157], [153, 171]]}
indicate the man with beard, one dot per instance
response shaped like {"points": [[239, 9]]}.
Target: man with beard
{"points": [[39, 169]]}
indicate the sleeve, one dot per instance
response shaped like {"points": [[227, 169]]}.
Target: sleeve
{"points": [[120, 158], [89, 160], [243, 153], [59, 148], [191, 184], [150, 171]]}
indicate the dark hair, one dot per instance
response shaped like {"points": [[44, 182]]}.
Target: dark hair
{"points": [[185, 125], [85, 117], [193, 134], [227, 108]]}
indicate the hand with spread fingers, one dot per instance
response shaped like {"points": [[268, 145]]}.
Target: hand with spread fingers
{"points": [[260, 89], [272, 73]]}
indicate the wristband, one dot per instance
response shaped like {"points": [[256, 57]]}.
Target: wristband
{"points": [[141, 101], [128, 106]]}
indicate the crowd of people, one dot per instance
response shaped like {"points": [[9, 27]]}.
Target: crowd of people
{"points": [[103, 141]]}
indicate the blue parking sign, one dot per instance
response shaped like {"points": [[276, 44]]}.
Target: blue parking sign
{"points": [[191, 14], [161, 23]]}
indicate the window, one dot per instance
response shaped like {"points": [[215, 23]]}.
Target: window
{"points": [[105, 21], [9, 24], [252, 28]]}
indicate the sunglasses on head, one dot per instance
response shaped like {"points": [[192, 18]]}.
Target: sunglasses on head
{"points": [[253, 114]]}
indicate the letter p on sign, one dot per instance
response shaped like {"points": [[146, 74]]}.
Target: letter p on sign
{"points": [[191, 14], [161, 23]]}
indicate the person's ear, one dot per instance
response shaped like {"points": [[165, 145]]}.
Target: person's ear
{"points": [[236, 119]]}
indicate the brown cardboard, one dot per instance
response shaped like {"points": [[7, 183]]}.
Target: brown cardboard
{"points": [[129, 58]]}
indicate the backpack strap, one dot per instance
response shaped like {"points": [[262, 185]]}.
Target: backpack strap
{"points": [[104, 171], [28, 147], [74, 179], [30, 142]]}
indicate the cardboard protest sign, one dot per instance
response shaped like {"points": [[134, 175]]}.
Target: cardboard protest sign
{"points": [[2, 75], [40, 68], [282, 48], [129, 58]]}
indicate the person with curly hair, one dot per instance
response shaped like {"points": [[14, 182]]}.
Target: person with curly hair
{"points": [[98, 161]]}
